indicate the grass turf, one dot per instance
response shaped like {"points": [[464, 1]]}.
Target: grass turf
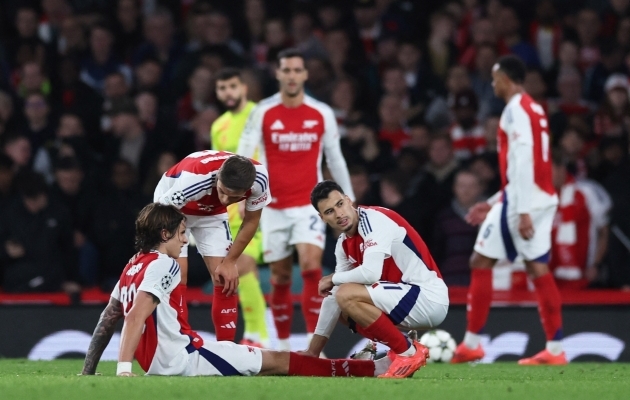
{"points": [[21, 379]]}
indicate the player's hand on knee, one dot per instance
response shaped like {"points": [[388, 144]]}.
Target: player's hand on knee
{"points": [[477, 213], [228, 276], [325, 286], [525, 226]]}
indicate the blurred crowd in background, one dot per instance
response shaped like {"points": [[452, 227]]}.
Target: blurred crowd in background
{"points": [[98, 98]]}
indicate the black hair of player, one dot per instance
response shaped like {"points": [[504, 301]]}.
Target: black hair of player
{"points": [[513, 67], [322, 190], [68, 163], [6, 163], [152, 220], [31, 185], [291, 52], [228, 73], [237, 173]]}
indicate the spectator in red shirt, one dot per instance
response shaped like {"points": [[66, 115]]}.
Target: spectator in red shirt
{"points": [[466, 132]]}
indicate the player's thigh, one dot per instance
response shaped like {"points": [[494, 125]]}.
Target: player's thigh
{"points": [[490, 240], [405, 305], [254, 248], [224, 359], [275, 230], [537, 248], [212, 235], [307, 227]]}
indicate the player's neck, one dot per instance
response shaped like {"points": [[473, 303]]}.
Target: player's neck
{"points": [[513, 91], [241, 106], [292, 102], [355, 227]]}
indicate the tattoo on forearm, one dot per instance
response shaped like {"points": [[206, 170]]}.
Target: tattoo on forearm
{"points": [[102, 335]]}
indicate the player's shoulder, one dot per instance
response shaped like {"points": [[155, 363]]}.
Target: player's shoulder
{"points": [[267, 103], [370, 218], [164, 264], [316, 104]]}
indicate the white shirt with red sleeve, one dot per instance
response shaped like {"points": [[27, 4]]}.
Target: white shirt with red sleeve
{"points": [[162, 340], [524, 156], [292, 143], [191, 185]]}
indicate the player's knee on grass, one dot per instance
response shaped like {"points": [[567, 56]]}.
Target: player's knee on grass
{"points": [[275, 362], [479, 261]]}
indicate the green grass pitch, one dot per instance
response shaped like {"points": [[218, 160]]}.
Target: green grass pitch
{"points": [[21, 379]]}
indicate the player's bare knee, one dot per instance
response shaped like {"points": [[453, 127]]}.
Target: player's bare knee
{"points": [[479, 261], [310, 264], [345, 295], [281, 273], [536, 269], [275, 362]]}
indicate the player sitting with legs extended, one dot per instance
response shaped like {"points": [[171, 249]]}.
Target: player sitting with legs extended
{"points": [[156, 332], [518, 220], [202, 185], [385, 280]]}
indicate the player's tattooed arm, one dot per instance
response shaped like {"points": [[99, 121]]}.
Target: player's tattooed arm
{"points": [[102, 335]]}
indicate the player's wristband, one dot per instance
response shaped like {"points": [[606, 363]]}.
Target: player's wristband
{"points": [[124, 366]]}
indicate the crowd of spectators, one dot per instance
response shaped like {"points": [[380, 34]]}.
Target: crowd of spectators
{"points": [[98, 98]]}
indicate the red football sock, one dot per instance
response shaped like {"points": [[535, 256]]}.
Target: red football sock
{"points": [[311, 300], [549, 306], [383, 330], [282, 309], [310, 366], [224, 314], [479, 299]]}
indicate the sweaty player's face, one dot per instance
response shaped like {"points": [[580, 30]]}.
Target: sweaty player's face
{"points": [[231, 92], [228, 196], [174, 245], [338, 212], [291, 74]]}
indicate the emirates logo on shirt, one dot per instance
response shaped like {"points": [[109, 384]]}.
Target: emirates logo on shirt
{"points": [[370, 243], [301, 141]]}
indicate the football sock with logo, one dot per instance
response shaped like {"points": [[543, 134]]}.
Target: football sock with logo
{"points": [[384, 331], [311, 300], [300, 365], [253, 306], [282, 309], [479, 299], [224, 314], [549, 306]]}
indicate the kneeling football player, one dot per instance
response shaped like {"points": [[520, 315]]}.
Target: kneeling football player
{"points": [[385, 280]]}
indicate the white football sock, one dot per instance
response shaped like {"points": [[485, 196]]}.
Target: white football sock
{"points": [[554, 347], [409, 352], [381, 365], [472, 340]]}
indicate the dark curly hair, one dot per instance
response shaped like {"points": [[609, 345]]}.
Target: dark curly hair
{"points": [[152, 220]]}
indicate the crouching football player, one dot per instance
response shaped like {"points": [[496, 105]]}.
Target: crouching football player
{"points": [[156, 332], [385, 280]]}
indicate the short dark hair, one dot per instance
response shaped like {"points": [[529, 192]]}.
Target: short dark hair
{"points": [[237, 173], [31, 184], [67, 163], [152, 220], [322, 190], [291, 52], [6, 162], [228, 73], [513, 67]]}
